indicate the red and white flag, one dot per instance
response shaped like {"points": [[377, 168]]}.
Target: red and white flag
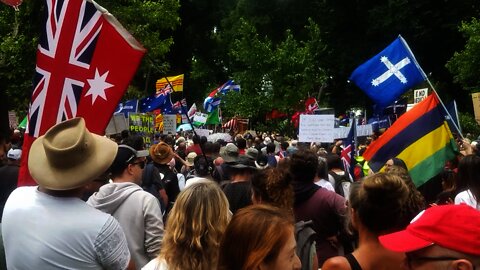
{"points": [[85, 61], [311, 105]]}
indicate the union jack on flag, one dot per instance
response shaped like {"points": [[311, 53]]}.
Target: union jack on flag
{"points": [[85, 61], [348, 152]]}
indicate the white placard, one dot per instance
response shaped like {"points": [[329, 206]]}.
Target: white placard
{"points": [[362, 130], [419, 95], [316, 128], [202, 132], [117, 124], [169, 124], [200, 117]]}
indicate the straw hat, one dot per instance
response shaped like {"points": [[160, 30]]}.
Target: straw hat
{"points": [[68, 156], [161, 153]]}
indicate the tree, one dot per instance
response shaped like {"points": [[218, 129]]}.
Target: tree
{"points": [[464, 65]]}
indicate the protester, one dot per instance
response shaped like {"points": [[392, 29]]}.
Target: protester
{"points": [[272, 158], [273, 186], [259, 237], [137, 211], [468, 181], [195, 226], [378, 205], [9, 176], [321, 178], [229, 154], [195, 147], [337, 176], [202, 171], [325, 208], [161, 155], [238, 189], [49, 226], [442, 237]]}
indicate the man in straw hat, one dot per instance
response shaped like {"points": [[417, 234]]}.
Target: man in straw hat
{"points": [[137, 211], [48, 226], [161, 155], [441, 237]]}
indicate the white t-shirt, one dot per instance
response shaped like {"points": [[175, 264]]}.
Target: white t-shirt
{"points": [[325, 184], [467, 198], [46, 232], [156, 264]]}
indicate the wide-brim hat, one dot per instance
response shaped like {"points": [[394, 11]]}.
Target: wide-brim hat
{"points": [[69, 156], [161, 153], [229, 153], [190, 158], [243, 162]]}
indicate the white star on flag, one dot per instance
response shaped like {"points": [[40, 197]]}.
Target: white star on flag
{"points": [[98, 85]]}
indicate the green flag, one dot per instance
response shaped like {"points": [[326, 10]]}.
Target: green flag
{"points": [[23, 124], [213, 118]]}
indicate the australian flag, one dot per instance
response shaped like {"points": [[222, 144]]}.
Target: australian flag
{"points": [[389, 74], [161, 100]]}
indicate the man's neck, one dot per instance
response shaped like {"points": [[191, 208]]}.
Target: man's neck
{"points": [[71, 193]]}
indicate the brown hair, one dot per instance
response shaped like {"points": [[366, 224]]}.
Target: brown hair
{"points": [[255, 235], [195, 227], [273, 186], [379, 202]]}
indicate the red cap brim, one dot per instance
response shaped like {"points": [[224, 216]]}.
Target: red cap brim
{"points": [[403, 241]]}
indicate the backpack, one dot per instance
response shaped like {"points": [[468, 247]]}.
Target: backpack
{"points": [[272, 161], [149, 186], [342, 184], [305, 236]]}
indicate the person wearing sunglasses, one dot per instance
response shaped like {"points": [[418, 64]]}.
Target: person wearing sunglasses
{"points": [[442, 237], [137, 211]]}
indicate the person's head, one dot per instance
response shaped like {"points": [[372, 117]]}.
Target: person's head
{"points": [[68, 156], [416, 202], [442, 237], [241, 143], [273, 186], [196, 139], [284, 145], [467, 175], [334, 162], [202, 166], [161, 153], [271, 148], [190, 159], [195, 227], [396, 162], [128, 164], [322, 170], [243, 167], [14, 156], [303, 166], [378, 203], [229, 152], [259, 237]]}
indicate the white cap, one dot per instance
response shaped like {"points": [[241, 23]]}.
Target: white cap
{"points": [[15, 154]]}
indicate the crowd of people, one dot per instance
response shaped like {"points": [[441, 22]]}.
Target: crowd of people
{"points": [[256, 202]]}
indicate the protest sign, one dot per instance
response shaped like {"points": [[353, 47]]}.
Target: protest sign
{"points": [[316, 128], [142, 124], [169, 124]]}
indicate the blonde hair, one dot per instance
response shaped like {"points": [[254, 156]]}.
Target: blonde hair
{"points": [[195, 227]]}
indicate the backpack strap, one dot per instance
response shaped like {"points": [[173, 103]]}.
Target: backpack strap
{"points": [[305, 237]]}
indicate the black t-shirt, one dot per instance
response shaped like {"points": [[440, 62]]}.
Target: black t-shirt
{"points": [[169, 180], [239, 195]]}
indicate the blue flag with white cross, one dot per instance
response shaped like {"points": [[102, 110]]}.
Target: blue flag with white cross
{"points": [[389, 74]]}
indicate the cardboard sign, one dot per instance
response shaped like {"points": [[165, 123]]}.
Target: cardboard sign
{"points": [[476, 106], [200, 117], [316, 128], [419, 95]]}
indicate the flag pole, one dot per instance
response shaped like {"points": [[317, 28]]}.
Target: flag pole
{"points": [[445, 108]]}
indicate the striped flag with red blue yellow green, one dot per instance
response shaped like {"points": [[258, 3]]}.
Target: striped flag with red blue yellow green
{"points": [[421, 137]]}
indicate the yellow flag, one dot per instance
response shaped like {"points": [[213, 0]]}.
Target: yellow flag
{"points": [[176, 81]]}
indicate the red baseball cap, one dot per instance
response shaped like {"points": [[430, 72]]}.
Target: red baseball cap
{"points": [[456, 227]]}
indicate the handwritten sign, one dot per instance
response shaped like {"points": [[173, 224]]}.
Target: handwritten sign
{"points": [[143, 125], [169, 124], [200, 118], [316, 128]]}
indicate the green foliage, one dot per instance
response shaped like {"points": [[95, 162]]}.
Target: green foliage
{"points": [[464, 65], [273, 76], [469, 124]]}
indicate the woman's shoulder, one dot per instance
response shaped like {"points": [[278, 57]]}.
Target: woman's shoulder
{"points": [[156, 264], [336, 263]]}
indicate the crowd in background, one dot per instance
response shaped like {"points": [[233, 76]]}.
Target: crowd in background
{"points": [[256, 202]]}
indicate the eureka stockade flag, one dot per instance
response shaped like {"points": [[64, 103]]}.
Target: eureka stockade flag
{"points": [[389, 74]]}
